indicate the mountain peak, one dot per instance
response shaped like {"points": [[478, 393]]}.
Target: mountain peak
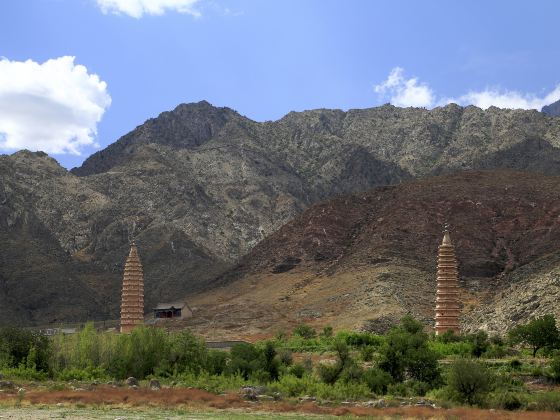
{"points": [[552, 110], [187, 126]]}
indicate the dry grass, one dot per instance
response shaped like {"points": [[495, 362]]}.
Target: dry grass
{"points": [[174, 398]]}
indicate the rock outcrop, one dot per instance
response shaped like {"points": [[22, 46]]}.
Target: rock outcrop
{"points": [[553, 109]]}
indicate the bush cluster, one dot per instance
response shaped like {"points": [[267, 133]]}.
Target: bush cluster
{"points": [[403, 362]]}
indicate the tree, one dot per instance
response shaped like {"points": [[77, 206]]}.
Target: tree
{"points": [[537, 333], [344, 366], [469, 381], [480, 343], [406, 354]]}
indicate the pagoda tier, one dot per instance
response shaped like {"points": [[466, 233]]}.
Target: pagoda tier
{"points": [[448, 307], [132, 303]]}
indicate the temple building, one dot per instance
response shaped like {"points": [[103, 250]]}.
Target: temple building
{"points": [[447, 298], [175, 310], [132, 303]]}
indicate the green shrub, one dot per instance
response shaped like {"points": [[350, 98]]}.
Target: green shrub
{"points": [[555, 367], [298, 370], [281, 336], [469, 381], [366, 353], [16, 345], [537, 371], [444, 396], [377, 380], [305, 331], [245, 359], [270, 362], [308, 364], [216, 362], [359, 339], [418, 388], [292, 386], [341, 391], [497, 340], [351, 373], [24, 373], [507, 400], [406, 354], [286, 357], [87, 374], [495, 351], [327, 331], [260, 376], [448, 336], [212, 383], [451, 348], [145, 351], [187, 353], [544, 401], [479, 342], [399, 389], [515, 364], [329, 373]]}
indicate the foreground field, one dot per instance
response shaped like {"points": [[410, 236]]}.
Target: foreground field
{"points": [[106, 402]]}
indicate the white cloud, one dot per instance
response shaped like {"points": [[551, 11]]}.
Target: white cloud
{"points": [[506, 99], [138, 8], [405, 92], [54, 106], [409, 92]]}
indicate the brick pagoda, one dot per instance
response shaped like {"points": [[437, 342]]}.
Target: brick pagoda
{"points": [[132, 304], [447, 298]]}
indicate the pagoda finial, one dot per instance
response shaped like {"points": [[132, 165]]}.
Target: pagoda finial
{"points": [[446, 237]]}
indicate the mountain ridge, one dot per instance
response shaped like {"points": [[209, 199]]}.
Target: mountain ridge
{"points": [[200, 186]]}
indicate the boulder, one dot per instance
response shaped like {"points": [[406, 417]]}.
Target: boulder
{"points": [[132, 381], [155, 385], [7, 385]]}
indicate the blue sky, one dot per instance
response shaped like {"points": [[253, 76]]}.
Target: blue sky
{"points": [[262, 58]]}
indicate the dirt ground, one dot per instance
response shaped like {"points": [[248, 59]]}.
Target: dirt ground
{"points": [[124, 403]]}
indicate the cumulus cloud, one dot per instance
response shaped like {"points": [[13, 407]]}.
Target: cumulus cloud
{"points": [[404, 92], [54, 106], [138, 8]]}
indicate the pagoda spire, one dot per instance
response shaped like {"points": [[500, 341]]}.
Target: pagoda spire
{"points": [[132, 303], [447, 297]]}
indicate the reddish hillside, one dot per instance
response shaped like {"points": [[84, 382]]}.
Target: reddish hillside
{"points": [[498, 220], [388, 237]]}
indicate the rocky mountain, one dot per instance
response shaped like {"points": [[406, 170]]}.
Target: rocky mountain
{"points": [[553, 109], [364, 260], [200, 186]]}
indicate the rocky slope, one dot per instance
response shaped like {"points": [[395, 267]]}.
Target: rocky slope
{"points": [[200, 186], [365, 260]]}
